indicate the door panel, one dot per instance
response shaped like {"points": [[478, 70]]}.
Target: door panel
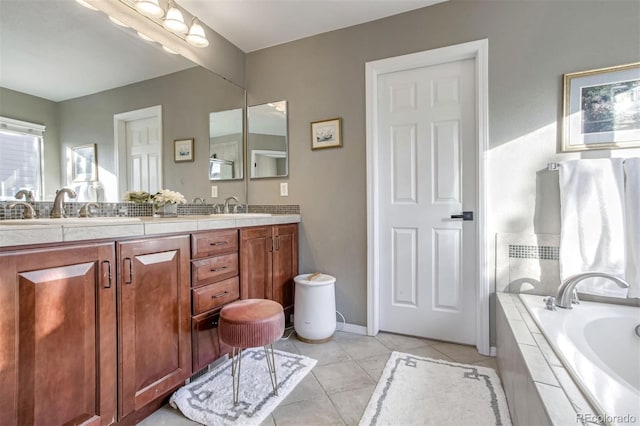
{"points": [[427, 150], [144, 154], [256, 257]]}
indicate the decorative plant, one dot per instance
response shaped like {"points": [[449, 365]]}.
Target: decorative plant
{"points": [[137, 197], [166, 196]]}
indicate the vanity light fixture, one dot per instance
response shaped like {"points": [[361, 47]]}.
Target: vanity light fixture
{"points": [[196, 36], [118, 22], [166, 49], [174, 21], [145, 37], [149, 8]]}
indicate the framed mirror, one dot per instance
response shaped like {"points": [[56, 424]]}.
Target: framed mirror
{"points": [[226, 145], [268, 140]]}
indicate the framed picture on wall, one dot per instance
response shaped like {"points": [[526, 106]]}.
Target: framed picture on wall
{"points": [[326, 133], [84, 163], [183, 150], [602, 109]]}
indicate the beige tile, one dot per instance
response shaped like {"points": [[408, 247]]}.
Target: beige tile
{"points": [[287, 345], [268, 421], [167, 416], [308, 389], [374, 365], [324, 353], [308, 413], [537, 365], [342, 376], [460, 353], [351, 404], [397, 342], [489, 362], [428, 352], [363, 347]]}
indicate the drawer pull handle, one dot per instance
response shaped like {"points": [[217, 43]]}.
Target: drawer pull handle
{"points": [[219, 295], [222, 268], [219, 243]]}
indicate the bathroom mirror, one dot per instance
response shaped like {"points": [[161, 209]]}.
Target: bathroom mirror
{"points": [[226, 145], [268, 141], [75, 91]]}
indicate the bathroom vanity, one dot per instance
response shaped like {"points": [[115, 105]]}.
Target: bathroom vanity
{"points": [[102, 330]]}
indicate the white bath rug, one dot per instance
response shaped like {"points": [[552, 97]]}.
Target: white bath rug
{"points": [[209, 399], [422, 391]]}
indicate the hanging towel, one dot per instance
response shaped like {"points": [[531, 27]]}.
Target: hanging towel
{"points": [[592, 224], [632, 200]]}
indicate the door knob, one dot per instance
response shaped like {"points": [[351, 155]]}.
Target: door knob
{"points": [[463, 216]]}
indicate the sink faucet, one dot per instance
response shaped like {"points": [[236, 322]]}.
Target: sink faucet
{"points": [[26, 193], [226, 203], [199, 200], [58, 203], [567, 288], [28, 213], [85, 211]]}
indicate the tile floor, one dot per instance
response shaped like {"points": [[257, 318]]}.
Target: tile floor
{"points": [[338, 388]]}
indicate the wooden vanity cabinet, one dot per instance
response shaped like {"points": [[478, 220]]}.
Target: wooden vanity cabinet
{"points": [[268, 264], [154, 329], [58, 335], [214, 283]]}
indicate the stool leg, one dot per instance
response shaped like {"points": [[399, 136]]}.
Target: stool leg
{"points": [[236, 364], [271, 363]]}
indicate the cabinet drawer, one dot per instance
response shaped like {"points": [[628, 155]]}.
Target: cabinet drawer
{"points": [[205, 343], [213, 243], [214, 295], [213, 269]]}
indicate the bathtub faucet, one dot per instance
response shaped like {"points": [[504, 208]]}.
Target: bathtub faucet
{"points": [[568, 286]]}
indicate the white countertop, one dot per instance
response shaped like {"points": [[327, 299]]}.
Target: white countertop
{"points": [[40, 231]]}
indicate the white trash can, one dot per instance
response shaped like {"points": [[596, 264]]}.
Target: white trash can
{"points": [[314, 317]]}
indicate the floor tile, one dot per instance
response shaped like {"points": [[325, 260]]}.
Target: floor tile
{"points": [[167, 416], [325, 353], [341, 376], [287, 345], [428, 352], [308, 389], [363, 347], [269, 421], [351, 404], [308, 413], [489, 362], [460, 353], [398, 342], [374, 365]]}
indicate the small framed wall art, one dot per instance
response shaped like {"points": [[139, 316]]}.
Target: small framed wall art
{"points": [[602, 109], [326, 133], [84, 163], [183, 150]]}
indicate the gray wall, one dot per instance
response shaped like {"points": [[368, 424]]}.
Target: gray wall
{"points": [[531, 45], [20, 106], [187, 97]]}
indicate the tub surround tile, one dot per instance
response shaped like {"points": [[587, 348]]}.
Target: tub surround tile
{"points": [[576, 398], [547, 351], [537, 365], [521, 332], [512, 312], [557, 405]]}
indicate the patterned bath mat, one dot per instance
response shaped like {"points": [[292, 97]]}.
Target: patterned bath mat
{"points": [[209, 399], [422, 391]]}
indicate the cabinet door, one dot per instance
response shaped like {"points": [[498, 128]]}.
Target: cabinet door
{"points": [[206, 345], [285, 265], [58, 336], [153, 319], [256, 256]]}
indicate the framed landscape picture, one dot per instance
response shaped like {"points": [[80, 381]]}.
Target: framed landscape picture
{"points": [[84, 164], [602, 109], [326, 133], [183, 150]]}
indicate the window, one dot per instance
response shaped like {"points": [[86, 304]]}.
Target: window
{"points": [[20, 158]]}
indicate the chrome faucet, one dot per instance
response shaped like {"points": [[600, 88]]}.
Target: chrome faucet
{"points": [[85, 211], [26, 193], [567, 288], [28, 212], [226, 203], [58, 203], [199, 200]]}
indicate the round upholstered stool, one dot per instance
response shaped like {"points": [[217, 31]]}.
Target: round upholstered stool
{"points": [[251, 323]]}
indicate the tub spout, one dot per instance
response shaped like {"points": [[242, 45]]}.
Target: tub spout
{"points": [[566, 290]]}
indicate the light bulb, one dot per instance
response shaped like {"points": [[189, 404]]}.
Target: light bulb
{"points": [[149, 8], [174, 21], [196, 36]]}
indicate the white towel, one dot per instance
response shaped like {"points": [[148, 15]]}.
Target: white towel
{"points": [[632, 200], [592, 224]]}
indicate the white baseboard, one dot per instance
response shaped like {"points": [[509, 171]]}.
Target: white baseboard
{"points": [[492, 351], [352, 328]]}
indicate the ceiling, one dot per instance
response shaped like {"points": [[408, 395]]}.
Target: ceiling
{"points": [[256, 24], [58, 50]]}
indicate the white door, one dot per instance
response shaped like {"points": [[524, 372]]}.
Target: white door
{"points": [[144, 155], [138, 141], [426, 165]]}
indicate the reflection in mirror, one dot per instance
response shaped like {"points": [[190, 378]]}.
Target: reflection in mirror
{"points": [[268, 140], [225, 145]]}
